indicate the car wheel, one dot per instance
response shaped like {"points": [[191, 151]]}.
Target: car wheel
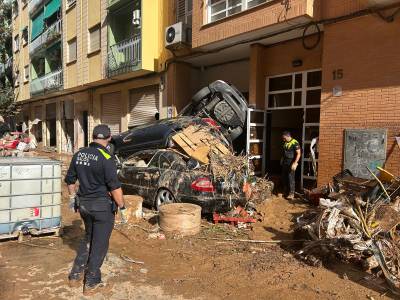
{"points": [[164, 196], [200, 95]]}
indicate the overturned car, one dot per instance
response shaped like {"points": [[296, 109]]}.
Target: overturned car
{"points": [[219, 104], [168, 160]]}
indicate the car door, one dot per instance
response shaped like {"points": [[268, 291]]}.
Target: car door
{"points": [[152, 175]]}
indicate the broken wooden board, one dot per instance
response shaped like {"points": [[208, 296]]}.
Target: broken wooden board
{"points": [[197, 142], [385, 176]]}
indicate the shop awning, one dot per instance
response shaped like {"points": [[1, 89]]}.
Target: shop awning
{"points": [[37, 26], [51, 8]]}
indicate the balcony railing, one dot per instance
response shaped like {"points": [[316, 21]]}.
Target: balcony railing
{"points": [[49, 82], [125, 56], [50, 35], [34, 5]]}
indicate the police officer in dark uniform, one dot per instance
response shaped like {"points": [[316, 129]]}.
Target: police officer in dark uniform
{"points": [[97, 201], [289, 162]]}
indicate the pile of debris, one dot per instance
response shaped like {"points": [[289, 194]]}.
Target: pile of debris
{"points": [[16, 142], [356, 221], [208, 146]]}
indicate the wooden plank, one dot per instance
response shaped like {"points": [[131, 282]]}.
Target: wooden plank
{"points": [[198, 142]]}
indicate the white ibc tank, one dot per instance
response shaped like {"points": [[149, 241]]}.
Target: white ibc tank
{"points": [[30, 195]]}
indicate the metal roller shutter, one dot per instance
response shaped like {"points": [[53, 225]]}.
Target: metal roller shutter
{"points": [[111, 111], [143, 105]]}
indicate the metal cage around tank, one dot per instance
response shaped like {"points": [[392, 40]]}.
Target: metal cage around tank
{"points": [[30, 196]]}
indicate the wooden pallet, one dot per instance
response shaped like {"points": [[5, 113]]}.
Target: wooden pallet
{"points": [[197, 142], [20, 235]]}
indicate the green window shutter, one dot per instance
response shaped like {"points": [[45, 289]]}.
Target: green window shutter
{"points": [[51, 8], [37, 25]]}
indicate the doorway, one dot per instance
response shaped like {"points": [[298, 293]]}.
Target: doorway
{"points": [[51, 124], [293, 104], [85, 127]]}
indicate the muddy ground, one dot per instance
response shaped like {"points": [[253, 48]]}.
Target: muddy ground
{"points": [[198, 267]]}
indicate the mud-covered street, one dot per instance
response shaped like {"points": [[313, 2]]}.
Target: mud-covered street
{"points": [[199, 267]]}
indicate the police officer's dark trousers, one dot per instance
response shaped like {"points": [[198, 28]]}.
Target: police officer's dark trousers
{"points": [[99, 223], [288, 178]]}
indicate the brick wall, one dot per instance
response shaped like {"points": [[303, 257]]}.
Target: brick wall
{"points": [[252, 19], [366, 49]]}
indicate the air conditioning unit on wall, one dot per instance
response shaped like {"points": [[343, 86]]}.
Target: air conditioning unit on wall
{"points": [[177, 35]]}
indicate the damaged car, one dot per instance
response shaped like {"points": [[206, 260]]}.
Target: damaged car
{"points": [[166, 176], [219, 104]]}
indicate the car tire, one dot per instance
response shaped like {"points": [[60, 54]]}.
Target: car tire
{"points": [[200, 95], [164, 196]]}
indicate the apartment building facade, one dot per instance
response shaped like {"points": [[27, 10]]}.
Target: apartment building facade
{"points": [[316, 68], [80, 63]]}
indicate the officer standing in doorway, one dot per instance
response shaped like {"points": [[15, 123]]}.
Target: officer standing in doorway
{"points": [[97, 200], [290, 161]]}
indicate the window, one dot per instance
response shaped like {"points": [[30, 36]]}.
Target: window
{"points": [[294, 90], [26, 73], [70, 3], [94, 39], [140, 160], [184, 11], [219, 9], [16, 79], [16, 43], [15, 8], [72, 50], [25, 36]]}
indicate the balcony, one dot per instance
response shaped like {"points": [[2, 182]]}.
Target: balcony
{"points": [[49, 82], [125, 56], [34, 5], [52, 34]]}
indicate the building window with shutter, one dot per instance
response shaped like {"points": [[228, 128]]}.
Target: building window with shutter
{"points": [[16, 43], [15, 8], [26, 73], [25, 36], [16, 80], [94, 39], [72, 54], [184, 11]]}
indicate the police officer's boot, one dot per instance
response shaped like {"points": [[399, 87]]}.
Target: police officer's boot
{"points": [[75, 280], [91, 289]]}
